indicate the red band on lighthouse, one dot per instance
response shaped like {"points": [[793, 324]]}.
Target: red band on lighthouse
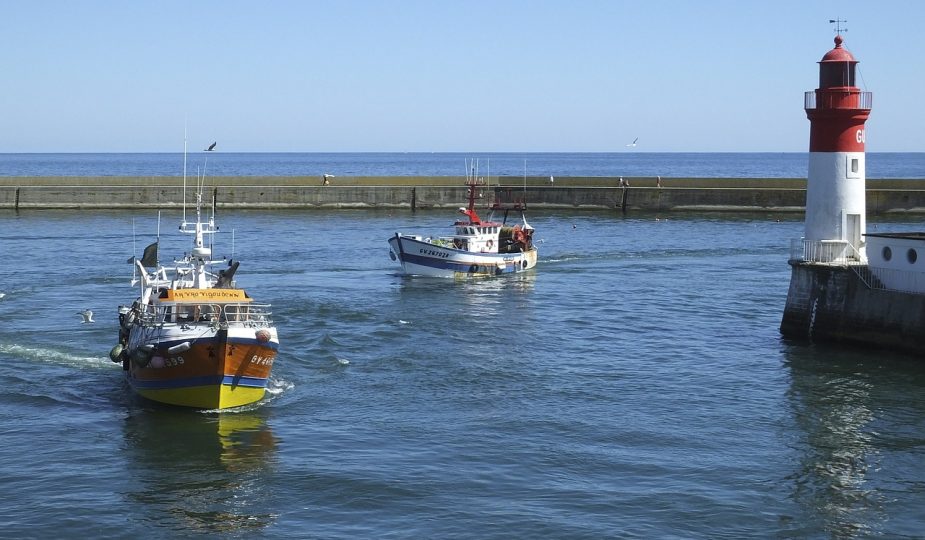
{"points": [[837, 133]]}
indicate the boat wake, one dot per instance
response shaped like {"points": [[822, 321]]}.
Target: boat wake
{"points": [[53, 356], [562, 259], [674, 253], [276, 387]]}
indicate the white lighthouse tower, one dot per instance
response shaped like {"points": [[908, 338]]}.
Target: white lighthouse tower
{"points": [[835, 183]]}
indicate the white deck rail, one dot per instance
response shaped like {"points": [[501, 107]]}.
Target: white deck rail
{"points": [[824, 251], [842, 253]]}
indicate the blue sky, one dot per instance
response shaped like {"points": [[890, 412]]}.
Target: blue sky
{"points": [[467, 76]]}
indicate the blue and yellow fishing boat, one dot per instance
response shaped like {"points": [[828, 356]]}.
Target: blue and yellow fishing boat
{"points": [[192, 337]]}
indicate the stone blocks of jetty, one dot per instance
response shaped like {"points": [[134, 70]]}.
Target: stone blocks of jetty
{"points": [[422, 192]]}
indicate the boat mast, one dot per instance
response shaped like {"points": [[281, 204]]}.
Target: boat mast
{"points": [[184, 174]]}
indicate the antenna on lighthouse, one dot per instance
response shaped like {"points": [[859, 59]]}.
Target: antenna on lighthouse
{"points": [[838, 22]]}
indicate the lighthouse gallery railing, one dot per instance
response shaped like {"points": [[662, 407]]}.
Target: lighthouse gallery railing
{"points": [[837, 100]]}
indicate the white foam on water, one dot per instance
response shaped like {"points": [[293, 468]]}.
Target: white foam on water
{"points": [[53, 356], [278, 386]]}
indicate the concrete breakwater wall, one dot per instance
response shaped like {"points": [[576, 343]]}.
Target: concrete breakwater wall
{"points": [[832, 303], [592, 193]]}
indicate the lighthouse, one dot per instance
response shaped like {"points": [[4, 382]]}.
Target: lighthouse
{"points": [[835, 182], [847, 285]]}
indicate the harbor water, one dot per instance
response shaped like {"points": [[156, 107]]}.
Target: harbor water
{"points": [[634, 385], [631, 164]]}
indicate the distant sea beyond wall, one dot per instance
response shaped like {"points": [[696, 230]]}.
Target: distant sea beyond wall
{"points": [[656, 194]]}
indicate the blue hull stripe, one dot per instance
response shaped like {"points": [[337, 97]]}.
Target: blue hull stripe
{"points": [[442, 264], [211, 380], [446, 264]]}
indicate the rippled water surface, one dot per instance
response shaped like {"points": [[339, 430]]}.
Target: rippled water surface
{"points": [[634, 385], [667, 164]]}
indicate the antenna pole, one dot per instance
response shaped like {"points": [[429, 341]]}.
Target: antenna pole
{"points": [[838, 25], [184, 174], [133, 250], [158, 237]]}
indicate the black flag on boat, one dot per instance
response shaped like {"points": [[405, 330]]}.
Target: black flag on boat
{"points": [[148, 258]]}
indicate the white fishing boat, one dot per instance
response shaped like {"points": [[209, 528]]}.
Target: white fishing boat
{"points": [[192, 337], [477, 247]]}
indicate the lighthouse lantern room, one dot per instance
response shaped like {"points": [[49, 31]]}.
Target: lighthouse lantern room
{"points": [[835, 183]]}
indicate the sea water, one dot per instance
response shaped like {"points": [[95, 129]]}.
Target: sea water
{"points": [[630, 164], [633, 385]]}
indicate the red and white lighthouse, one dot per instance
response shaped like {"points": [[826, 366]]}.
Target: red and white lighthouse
{"points": [[835, 183]]}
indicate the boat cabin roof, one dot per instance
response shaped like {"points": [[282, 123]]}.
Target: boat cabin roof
{"points": [[198, 296]]}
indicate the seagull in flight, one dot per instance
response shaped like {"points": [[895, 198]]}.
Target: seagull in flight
{"points": [[87, 315], [211, 147], [633, 144]]}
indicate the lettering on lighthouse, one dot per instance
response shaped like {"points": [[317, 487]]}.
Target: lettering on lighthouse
{"points": [[860, 136]]}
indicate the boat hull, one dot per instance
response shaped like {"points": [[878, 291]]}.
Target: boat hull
{"points": [[201, 366], [421, 258]]}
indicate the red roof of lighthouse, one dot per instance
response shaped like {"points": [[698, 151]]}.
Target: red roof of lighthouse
{"points": [[839, 53]]}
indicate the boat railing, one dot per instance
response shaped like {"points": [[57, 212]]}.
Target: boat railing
{"points": [[149, 314], [246, 313]]}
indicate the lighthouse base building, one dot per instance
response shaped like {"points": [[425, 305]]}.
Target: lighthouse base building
{"points": [[847, 285], [862, 304]]}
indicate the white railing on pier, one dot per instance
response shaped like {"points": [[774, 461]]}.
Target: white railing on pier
{"points": [[842, 253], [892, 279], [824, 251]]}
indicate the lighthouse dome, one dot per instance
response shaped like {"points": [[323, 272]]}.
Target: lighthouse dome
{"points": [[836, 69], [839, 53]]}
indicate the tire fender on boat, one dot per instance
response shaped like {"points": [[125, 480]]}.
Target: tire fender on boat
{"points": [[142, 355], [490, 244], [115, 354], [473, 269]]}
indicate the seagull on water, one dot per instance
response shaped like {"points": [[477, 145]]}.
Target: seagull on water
{"points": [[633, 144], [87, 315], [211, 147]]}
